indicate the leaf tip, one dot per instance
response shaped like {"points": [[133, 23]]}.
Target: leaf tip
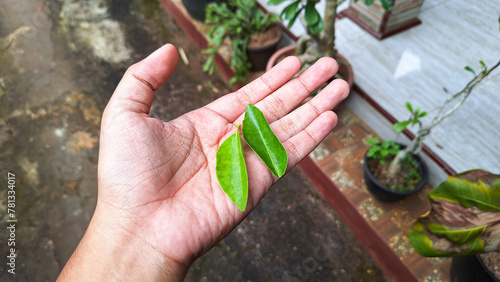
{"points": [[242, 206]]}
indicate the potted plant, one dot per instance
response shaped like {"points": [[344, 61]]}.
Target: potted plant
{"points": [[385, 18], [320, 38], [410, 180], [252, 33], [447, 108], [464, 222], [398, 161]]}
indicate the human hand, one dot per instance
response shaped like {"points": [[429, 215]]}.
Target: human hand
{"points": [[158, 194]]}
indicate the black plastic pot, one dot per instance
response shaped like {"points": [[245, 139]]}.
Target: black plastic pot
{"points": [[258, 56], [196, 8], [386, 194], [470, 268]]}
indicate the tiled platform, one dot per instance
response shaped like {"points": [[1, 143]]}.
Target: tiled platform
{"points": [[415, 65], [335, 167]]}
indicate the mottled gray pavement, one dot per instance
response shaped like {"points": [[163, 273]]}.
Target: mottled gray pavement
{"points": [[56, 79]]}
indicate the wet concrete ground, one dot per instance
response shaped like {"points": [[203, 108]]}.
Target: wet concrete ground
{"points": [[56, 79]]}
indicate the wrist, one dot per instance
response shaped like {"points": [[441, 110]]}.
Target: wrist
{"points": [[109, 251]]}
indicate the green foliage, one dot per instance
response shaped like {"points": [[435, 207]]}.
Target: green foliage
{"points": [[381, 151], [308, 8], [230, 162], [264, 143], [415, 117], [386, 4], [231, 170], [384, 151], [238, 20], [412, 178], [483, 69], [314, 21], [464, 217]]}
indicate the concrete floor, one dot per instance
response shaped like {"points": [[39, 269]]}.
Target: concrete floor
{"points": [[56, 79]]}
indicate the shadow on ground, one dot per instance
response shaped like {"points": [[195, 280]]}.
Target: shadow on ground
{"points": [[55, 81]]}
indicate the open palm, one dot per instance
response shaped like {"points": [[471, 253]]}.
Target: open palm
{"points": [[158, 178]]}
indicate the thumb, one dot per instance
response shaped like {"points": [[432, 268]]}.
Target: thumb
{"points": [[135, 92]]}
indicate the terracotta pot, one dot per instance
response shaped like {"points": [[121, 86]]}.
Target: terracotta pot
{"points": [[345, 69], [386, 194], [259, 56]]}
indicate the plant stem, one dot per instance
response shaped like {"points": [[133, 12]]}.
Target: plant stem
{"points": [[423, 131], [327, 40]]}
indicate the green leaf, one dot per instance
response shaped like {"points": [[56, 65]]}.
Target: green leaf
{"points": [[422, 114], [409, 107], [483, 65], [387, 4], [311, 15], [459, 242], [464, 217], [290, 10], [369, 2], [294, 18], [467, 68], [386, 144], [259, 136], [275, 2], [233, 80], [372, 141], [384, 153], [231, 170], [372, 151], [318, 27], [457, 236], [400, 126], [422, 243], [457, 189]]}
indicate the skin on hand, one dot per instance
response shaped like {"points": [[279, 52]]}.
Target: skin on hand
{"points": [[159, 203]]}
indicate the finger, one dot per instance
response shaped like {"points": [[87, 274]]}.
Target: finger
{"points": [[233, 105], [294, 92], [135, 92], [302, 144], [299, 119]]}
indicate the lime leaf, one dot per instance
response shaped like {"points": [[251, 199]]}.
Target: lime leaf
{"points": [[231, 170], [259, 136]]}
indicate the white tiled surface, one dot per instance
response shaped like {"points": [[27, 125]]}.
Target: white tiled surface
{"points": [[416, 64]]}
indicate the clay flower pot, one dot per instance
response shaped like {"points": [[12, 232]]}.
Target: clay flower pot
{"points": [[345, 69]]}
